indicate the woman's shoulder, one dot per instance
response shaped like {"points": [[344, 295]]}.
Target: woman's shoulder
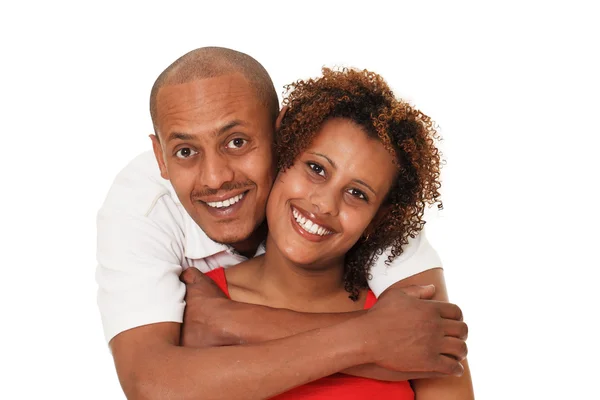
{"points": [[241, 280]]}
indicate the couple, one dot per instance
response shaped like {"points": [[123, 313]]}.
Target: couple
{"points": [[354, 168]]}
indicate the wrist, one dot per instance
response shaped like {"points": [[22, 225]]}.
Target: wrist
{"points": [[358, 341]]}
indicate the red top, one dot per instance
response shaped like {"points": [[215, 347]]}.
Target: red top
{"points": [[337, 386]]}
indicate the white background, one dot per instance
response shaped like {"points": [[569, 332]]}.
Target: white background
{"points": [[513, 86]]}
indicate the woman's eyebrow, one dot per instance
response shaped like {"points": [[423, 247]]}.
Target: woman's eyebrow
{"points": [[325, 157], [365, 185]]}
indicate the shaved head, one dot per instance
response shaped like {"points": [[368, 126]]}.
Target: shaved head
{"points": [[210, 62]]}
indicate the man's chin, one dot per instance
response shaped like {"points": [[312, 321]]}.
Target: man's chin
{"points": [[229, 234], [224, 232], [229, 239]]}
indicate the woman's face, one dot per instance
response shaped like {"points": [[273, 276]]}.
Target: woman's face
{"points": [[319, 208]]}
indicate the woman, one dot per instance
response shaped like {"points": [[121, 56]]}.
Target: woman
{"points": [[357, 167]]}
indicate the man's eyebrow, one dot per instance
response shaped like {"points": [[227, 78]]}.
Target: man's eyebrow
{"points": [[228, 126], [325, 157], [180, 136], [217, 133], [365, 184]]}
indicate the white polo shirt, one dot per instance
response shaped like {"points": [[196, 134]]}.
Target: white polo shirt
{"points": [[146, 239]]}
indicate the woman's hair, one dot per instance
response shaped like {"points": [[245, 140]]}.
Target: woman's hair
{"points": [[409, 135]]}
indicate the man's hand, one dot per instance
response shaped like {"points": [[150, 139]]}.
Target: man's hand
{"points": [[203, 299], [200, 286], [410, 334]]}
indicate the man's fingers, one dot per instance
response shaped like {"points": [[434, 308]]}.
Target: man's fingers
{"points": [[190, 275], [455, 348], [457, 329], [450, 311], [450, 366], [199, 284], [420, 292]]}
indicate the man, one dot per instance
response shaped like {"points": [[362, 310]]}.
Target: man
{"points": [[215, 112]]}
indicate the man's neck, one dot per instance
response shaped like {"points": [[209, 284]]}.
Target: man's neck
{"points": [[248, 247]]}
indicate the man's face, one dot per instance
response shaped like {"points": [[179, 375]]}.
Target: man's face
{"points": [[216, 149]]}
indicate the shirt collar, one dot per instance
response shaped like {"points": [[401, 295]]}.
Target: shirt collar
{"points": [[197, 244]]}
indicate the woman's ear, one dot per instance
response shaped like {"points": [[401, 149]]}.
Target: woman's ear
{"points": [[280, 117], [377, 220]]}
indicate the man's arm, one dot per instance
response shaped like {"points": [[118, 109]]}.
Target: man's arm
{"points": [[211, 319], [150, 364], [209, 314], [447, 388]]}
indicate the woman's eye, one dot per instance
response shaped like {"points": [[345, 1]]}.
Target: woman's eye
{"points": [[185, 152], [237, 143], [358, 194], [319, 170]]}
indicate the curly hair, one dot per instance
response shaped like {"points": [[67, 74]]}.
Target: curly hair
{"points": [[409, 135]]}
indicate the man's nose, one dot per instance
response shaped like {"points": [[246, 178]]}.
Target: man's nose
{"points": [[215, 171]]}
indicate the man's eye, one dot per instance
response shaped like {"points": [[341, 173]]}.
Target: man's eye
{"points": [[185, 152], [358, 194], [237, 143], [319, 170]]}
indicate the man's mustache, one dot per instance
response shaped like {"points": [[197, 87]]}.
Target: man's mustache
{"points": [[226, 187]]}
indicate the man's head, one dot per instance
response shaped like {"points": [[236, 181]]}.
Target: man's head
{"points": [[214, 113]]}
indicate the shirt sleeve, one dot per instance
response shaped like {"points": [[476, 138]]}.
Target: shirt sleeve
{"points": [[137, 274], [139, 251], [418, 256]]}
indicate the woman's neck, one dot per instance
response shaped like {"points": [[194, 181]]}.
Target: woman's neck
{"points": [[289, 282]]}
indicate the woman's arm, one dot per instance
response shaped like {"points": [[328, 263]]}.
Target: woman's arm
{"points": [[447, 388]]}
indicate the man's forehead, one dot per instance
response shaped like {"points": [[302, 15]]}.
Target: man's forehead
{"points": [[209, 105], [213, 88]]}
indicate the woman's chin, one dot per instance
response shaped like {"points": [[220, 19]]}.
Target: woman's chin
{"points": [[310, 259], [302, 258]]}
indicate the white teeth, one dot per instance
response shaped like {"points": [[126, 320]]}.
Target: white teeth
{"points": [[226, 203], [308, 225]]}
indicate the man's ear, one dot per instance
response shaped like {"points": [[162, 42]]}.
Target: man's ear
{"points": [[158, 153], [280, 117]]}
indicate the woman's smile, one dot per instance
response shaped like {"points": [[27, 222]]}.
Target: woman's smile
{"points": [[308, 226]]}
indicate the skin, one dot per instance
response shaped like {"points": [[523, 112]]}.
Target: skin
{"points": [[336, 181], [215, 143], [213, 119]]}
